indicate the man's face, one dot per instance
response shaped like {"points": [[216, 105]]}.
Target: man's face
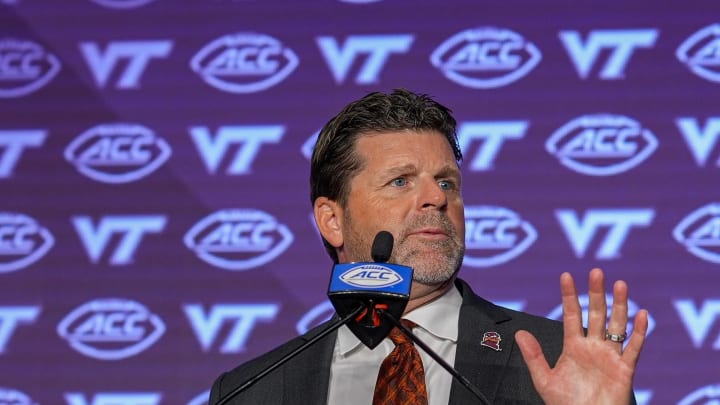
{"points": [[410, 186]]}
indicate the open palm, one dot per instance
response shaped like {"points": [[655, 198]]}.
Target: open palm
{"points": [[591, 369]]}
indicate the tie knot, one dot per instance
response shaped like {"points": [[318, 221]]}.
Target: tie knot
{"points": [[397, 336]]}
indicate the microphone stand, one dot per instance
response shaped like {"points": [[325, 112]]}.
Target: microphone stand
{"points": [[464, 381], [295, 352]]}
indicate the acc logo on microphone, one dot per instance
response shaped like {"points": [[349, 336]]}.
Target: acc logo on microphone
{"points": [[22, 241], [111, 328], [709, 394], [485, 58], [371, 276], [117, 153], [238, 239], [25, 67], [699, 232], [10, 396], [495, 235], [701, 53], [244, 62], [601, 144]]}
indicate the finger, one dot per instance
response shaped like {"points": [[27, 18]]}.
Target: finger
{"points": [[597, 308], [572, 314], [534, 358], [619, 315], [637, 339]]}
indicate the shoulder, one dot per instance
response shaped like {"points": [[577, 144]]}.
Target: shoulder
{"points": [[547, 331], [237, 377], [543, 328]]}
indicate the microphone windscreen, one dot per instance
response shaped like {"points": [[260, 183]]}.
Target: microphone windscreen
{"points": [[382, 247]]}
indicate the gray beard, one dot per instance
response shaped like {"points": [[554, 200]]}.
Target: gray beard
{"points": [[437, 274]]}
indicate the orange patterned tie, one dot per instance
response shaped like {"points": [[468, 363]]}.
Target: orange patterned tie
{"points": [[401, 380]]}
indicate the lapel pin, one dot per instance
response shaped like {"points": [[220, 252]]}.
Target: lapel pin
{"points": [[491, 340]]}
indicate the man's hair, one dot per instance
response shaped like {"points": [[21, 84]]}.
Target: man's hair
{"points": [[334, 160]]}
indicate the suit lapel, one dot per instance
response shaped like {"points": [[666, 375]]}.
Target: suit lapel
{"points": [[308, 383], [482, 364]]}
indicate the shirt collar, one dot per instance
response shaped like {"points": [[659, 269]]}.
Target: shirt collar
{"points": [[439, 318]]}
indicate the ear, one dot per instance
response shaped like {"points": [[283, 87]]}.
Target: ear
{"points": [[328, 218]]}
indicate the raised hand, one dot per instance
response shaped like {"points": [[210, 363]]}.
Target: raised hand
{"points": [[593, 368]]}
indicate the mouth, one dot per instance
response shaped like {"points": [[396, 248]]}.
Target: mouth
{"points": [[430, 233]]}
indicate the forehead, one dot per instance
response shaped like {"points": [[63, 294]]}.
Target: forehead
{"points": [[389, 147]]}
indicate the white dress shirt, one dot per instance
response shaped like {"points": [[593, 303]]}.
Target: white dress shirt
{"points": [[354, 367]]}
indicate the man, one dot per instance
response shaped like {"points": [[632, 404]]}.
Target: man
{"points": [[390, 162]]}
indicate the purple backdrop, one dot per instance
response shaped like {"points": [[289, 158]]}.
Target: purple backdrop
{"points": [[155, 226]]}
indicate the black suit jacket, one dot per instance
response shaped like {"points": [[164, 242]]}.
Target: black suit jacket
{"points": [[501, 376]]}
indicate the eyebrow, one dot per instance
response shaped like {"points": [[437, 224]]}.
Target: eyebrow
{"points": [[449, 171], [445, 171], [398, 170]]}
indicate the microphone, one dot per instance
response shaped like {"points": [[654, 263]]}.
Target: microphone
{"points": [[369, 297], [382, 247], [354, 301], [383, 290], [376, 286]]}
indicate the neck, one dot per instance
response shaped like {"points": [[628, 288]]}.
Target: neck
{"points": [[421, 294]]}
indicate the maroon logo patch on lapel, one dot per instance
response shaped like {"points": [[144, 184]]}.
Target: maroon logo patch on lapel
{"points": [[491, 340]]}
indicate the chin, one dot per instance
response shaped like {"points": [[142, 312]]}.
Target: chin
{"points": [[432, 277]]}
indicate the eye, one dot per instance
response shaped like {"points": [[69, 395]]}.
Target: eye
{"points": [[446, 185], [399, 182]]}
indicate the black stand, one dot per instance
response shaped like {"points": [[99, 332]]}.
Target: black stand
{"points": [[289, 356], [464, 381]]}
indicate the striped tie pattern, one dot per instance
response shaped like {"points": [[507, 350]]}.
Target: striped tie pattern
{"points": [[401, 380]]}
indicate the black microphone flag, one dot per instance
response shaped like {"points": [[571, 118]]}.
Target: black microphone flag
{"points": [[376, 286]]}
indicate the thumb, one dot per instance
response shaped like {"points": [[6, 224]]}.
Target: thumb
{"points": [[534, 358]]}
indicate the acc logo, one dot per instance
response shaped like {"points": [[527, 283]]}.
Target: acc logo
{"points": [[371, 276], [122, 4], [117, 153], [496, 234], [114, 398], [315, 316], [25, 67], [22, 241], [14, 397], [111, 328], [701, 53], [238, 239], [601, 144], [244, 62], [307, 147], [707, 395], [584, 301], [699, 232], [485, 58], [200, 399]]}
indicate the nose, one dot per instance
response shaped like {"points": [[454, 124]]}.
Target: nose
{"points": [[432, 196]]}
